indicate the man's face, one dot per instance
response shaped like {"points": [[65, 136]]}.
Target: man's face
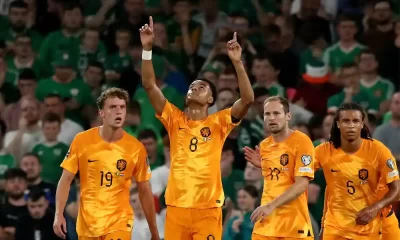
{"points": [[382, 13], [368, 63], [263, 71], [93, 76], [350, 124], [395, 106], [199, 93], [150, 144], [37, 209], [54, 105], [309, 8], [91, 40], [224, 98], [15, 187], [275, 118], [64, 74], [30, 110], [23, 47], [350, 76], [18, 18], [27, 87], [228, 81], [72, 19], [347, 30], [122, 39], [252, 173], [51, 130], [258, 104], [114, 112], [134, 7], [30, 165]]}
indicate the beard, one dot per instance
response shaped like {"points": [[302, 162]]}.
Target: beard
{"points": [[383, 22], [16, 196], [276, 129]]}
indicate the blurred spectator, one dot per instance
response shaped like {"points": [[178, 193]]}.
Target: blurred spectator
{"points": [[232, 179], [326, 129], [38, 223], [149, 139], [240, 227], [140, 228], [160, 174], [121, 59], [228, 79], [253, 177], [225, 97], [290, 41], [51, 152], [31, 165], [54, 104], [93, 77], [388, 66], [352, 91], [14, 204], [302, 127], [22, 140], [7, 160]]}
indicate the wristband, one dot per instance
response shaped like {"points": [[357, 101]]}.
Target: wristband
{"points": [[146, 55]]}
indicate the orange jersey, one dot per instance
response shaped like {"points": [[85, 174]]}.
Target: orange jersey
{"points": [[354, 182], [105, 171], [281, 163], [196, 147]]}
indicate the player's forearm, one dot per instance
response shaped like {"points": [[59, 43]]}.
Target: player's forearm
{"points": [[325, 207], [299, 187], [392, 196], [246, 90], [147, 201], [148, 75], [62, 193]]}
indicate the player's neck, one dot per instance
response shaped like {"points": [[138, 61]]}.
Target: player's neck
{"points": [[196, 112], [282, 135], [350, 147], [369, 77], [110, 135]]}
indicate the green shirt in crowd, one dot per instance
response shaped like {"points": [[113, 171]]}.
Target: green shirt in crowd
{"points": [[335, 56], [86, 57], [117, 62], [232, 183], [382, 89], [6, 161], [50, 157], [275, 90], [7, 34], [363, 97], [41, 71], [307, 57], [76, 89]]}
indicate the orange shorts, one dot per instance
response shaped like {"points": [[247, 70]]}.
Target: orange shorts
{"points": [[193, 224], [121, 235], [390, 228], [256, 236], [335, 237]]}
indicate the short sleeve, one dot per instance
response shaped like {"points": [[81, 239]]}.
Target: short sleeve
{"points": [[304, 160], [142, 171], [387, 165], [71, 159], [225, 121], [319, 156], [169, 113]]}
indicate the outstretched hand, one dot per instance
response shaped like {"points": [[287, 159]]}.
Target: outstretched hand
{"points": [[234, 49], [253, 156], [147, 35]]}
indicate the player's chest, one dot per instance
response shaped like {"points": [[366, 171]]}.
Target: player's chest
{"points": [[276, 161]]}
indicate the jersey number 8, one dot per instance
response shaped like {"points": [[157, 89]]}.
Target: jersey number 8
{"points": [[193, 144]]}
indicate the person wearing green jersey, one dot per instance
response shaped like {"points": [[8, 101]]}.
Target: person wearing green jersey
{"points": [[121, 59], [7, 160], [24, 57], [65, 41], [265, 69], [51, 152], [347, 49], [17, 25], [232, 179], [75, 92], [8, 92], [378, 86], [352, 91]]}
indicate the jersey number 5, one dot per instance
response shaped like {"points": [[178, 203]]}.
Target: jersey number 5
{"points": [[193, 144], [350, 188], [107, 177]]}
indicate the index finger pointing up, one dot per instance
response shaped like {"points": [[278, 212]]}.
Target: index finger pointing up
{"points": [[234, 36], [151, 22]]}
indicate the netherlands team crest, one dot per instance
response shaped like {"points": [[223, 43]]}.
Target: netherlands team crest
{"points": [[363, 174], [205, 133], [284, 159], [121, 165]]}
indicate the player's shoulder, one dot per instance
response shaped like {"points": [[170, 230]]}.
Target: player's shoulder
{"points": [[374, 144], [132, 143], [301, 138], [85, 135], [223, 112], [324, 147]]}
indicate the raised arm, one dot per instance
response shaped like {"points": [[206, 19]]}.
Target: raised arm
{"points": [[156, 97], [241, 106]]}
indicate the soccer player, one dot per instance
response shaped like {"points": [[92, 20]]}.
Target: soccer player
{"points": [[107, 158], [355, 167], [194, 194], [287, 162]]}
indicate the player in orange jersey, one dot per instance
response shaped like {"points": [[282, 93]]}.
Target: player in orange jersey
{"points": [[287, 162], [107, 158], [194, 194], [355, 166]]}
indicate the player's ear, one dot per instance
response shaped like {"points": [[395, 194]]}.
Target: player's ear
{"points": [[210, 100], [289, 116], [337, 124], [101, 113]]}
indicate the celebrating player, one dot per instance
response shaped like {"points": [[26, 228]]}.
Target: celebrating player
{"points": [[194, 194], [286, 159], [107, 158], [355, 167]]}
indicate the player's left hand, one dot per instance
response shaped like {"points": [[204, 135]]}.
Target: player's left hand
{"points": [[234, 49], [366, 215], [261, 212]]}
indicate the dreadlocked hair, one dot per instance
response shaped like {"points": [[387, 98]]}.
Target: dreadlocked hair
{"points": [[334, 137]]}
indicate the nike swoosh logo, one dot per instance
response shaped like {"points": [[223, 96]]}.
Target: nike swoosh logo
{"points": [[181, 128], [92, 160], [333, 170]]}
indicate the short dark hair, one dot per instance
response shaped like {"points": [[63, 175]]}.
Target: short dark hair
{"points": [[251, 190], [273, 59], [35, 193], [95, 64], [13, 173], [368, 52], [31, 154], [27, 74], [50, 118], [346, 18], [70, 6], [281, 100], [18, 4], [260, 91], [112, 93], [213, 89], [54, 95], [147, 133]]}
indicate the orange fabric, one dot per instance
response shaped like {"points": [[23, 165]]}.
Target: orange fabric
{"points": [[281, 163], [256, 236], [354, 183], [105, 171], [339, 237], [390, 228], [196, 147], [118, 235], [193, 224]]}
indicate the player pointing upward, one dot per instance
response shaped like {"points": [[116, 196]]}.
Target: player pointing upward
{"points": [[106, 158], [194, 194]]}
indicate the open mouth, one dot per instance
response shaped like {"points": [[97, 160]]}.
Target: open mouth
{"points": [[118, 119]]}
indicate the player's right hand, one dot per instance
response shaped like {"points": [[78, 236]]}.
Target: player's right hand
{"points": [[59, 226], [147, 35], [253, 156]]}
